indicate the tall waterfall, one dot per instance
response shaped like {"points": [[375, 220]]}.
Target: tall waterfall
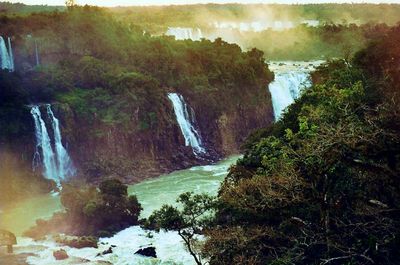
{"points": [[43, 142], [6, 55], [192, 137], [64, 162], [290, 79], [56, 165], [185, 33]]}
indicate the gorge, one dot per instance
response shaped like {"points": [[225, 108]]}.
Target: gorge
{"points": [[200, 134], [152, 194]]}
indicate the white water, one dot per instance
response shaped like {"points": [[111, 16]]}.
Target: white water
{"points": [[44, 150], [184, 33], [152, 194], [6, 55], [11, 55], [64, 162], [57, 165], [290, 79], [189, 132]]}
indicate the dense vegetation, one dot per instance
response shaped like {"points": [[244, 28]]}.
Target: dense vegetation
{"points": [[91, 211], [103, 75], [320, 186], [8, 8], [126, 69]]}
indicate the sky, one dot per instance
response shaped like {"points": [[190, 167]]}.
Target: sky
{"points": [[179, 2]]}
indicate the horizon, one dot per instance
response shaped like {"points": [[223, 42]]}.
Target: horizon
{"points": [[130, 3]]}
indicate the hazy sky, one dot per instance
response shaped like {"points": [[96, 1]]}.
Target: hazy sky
{"points": [[168, 2]]}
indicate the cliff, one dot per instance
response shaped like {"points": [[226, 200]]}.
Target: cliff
{"points": [[108, 87]]}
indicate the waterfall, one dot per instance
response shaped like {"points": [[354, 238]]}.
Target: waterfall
{"points": [[185, 33], [57, 165], [6, 57], [11, 55], [64, 163], [43, 142], [290, 79], [192, 137]]}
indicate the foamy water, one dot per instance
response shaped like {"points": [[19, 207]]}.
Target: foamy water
{"points": [[152, 194]]}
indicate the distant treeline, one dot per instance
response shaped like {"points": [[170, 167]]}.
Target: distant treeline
{"points": [[7, 8]]}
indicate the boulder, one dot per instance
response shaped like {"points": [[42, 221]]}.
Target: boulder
{"points": [[148, 252], [108, 251], [60, 254]]}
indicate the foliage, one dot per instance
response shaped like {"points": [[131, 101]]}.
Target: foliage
{"points": [[92, 211], [321, 185], [189, 222]]}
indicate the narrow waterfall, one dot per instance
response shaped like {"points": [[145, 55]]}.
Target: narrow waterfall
{"points": [[6, 56], [64, 162], [185, 33], [290, 79], [192, 137], [57, 165]]}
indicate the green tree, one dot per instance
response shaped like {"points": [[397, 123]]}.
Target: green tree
{"points": [[190, 221]]}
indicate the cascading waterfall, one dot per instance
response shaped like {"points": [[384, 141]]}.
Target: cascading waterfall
{"points": [[185, 33], [43, 144], [192, 137], [56, 165], [11, 55], [290, 79], [6, 56], [64, 162]]}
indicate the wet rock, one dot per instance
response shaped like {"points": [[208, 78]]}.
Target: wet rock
{"points": [[77, 242], [108, 251], [148, 252], [60, 254]]}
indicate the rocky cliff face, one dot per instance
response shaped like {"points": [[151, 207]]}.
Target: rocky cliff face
{"points": [[101, 150]]}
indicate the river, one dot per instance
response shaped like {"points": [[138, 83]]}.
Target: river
{"points": [[152, 194]]}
